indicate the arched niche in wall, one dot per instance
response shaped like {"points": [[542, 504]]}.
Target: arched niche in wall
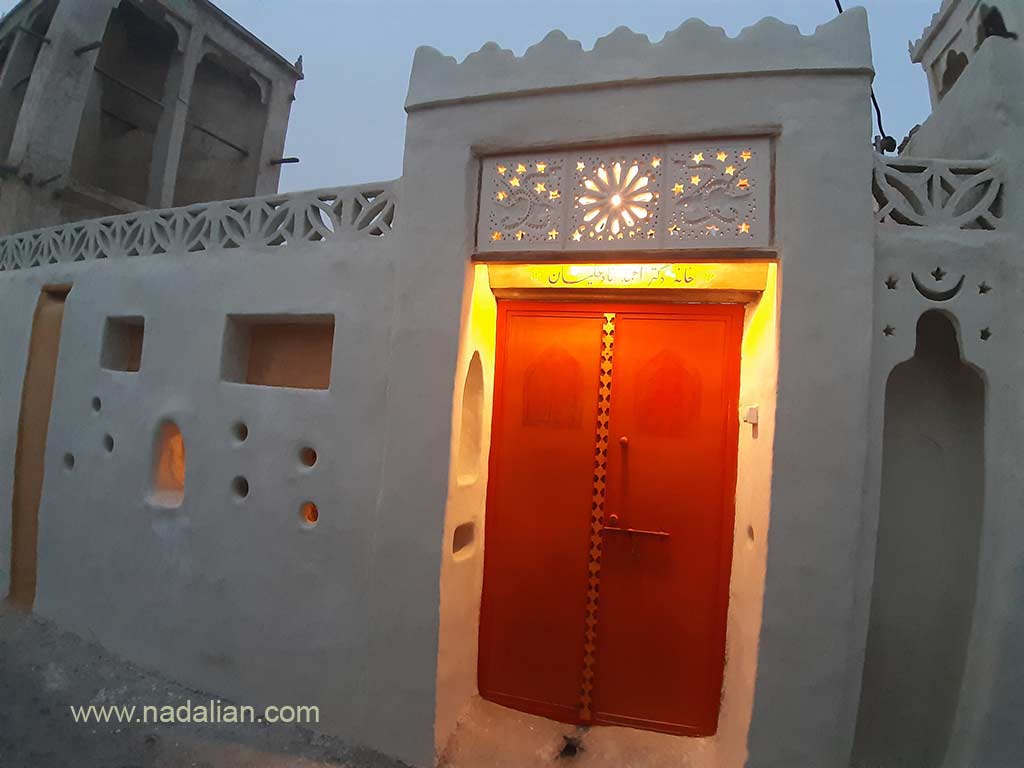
{"points": [[117, 134], [168, 488], [472, 424], [926, 561], [227, 116], [955, 64], [18, 54]]}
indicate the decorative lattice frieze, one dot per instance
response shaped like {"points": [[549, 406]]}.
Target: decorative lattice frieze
{"points": [[251, 223], [919, 192], [707, 194]]}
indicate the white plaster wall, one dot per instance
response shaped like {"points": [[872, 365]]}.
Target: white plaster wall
{"points": [[758, 389], [986, 730], [244, 601], [824, 235], [232, 597], [980, 118], [462, 576]]}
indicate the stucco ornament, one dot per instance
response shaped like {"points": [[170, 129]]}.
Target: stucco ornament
{"points": [[618, 199], [676, 194]]}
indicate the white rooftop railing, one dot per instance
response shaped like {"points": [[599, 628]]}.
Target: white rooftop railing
{"points": [[922, 192], [257, 223]]}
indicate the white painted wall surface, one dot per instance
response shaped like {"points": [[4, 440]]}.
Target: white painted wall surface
{"points": [[241, 599]]}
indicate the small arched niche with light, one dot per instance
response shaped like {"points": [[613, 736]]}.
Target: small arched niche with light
{"points": [[471, 428], [168, 486]]}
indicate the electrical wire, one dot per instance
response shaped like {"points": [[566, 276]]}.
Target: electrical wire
{"points": [[874, 101]]}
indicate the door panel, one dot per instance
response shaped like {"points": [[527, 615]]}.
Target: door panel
{"points": [[661, 633], [538, 512]]}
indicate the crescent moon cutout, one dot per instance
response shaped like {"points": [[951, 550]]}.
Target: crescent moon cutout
{"points": [[934, 295]]}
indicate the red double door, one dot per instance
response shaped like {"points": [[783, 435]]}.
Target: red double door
{"points": [[609, 522]]}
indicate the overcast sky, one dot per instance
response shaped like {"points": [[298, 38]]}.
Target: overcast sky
{"points": [[347, 124]]}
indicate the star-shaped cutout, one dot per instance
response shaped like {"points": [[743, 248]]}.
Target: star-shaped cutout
{"points": [[520, 168], [938, 273], [495, 236], [553, 234], [655, 162], [577, 235], [730, 170], [542, 167], [722, 156], [745, 228], [514, 181], [745, 155], [502, 170], [502, 194], [888, 330], [984, 288], [986, 334], [699, 157], [891, 282], [743, 184], [520, 235], [695, 180], [554, 194], [580, 166], [678, 189], [539, 187]]}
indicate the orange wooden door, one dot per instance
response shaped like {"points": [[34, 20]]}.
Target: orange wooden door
{"points": [[607, 563], [667, 540], [538, 509]]}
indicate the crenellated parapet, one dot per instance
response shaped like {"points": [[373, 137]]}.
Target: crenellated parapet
{"points": [[693, 50]]}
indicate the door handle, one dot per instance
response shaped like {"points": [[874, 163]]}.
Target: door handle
{"points": [[635, 532]]}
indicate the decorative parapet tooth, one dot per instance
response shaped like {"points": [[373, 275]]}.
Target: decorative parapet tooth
{"points": [[694, 49]]}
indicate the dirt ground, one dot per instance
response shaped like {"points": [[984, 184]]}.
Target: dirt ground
{"points": [[44, 670]]}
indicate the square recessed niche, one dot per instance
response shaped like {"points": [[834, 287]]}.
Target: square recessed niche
{"points": [[278, 350], [122, 344]]}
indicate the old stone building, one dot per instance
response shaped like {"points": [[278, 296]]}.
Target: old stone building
{"points": [[651, 407], [112, 107]]}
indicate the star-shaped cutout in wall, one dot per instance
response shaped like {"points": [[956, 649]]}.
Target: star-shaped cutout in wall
{"points": [[888, 330], [938, 273], [892, 282], [986, 334], [984, 288]]}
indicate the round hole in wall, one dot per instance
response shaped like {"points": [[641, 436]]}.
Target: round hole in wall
{"points": [[240, 431], [240, 486], [307, 456], [309, 513], [69, 460], [108, 443], [97, 404]]}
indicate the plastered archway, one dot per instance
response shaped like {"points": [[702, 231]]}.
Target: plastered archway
{"points": [[461, 573]]}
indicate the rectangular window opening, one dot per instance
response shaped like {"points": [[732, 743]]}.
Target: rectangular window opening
{"points": [[279, 350], [122, 344]]}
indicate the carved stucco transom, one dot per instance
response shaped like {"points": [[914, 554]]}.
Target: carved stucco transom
{"points": [[697, 194]]}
